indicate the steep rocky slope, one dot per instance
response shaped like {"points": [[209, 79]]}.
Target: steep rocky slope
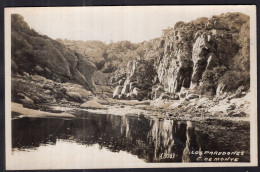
{"points": [[33, 53], [207, 56]]}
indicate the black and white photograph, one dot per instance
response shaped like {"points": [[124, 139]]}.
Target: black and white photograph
{"points": [[103, 87]]}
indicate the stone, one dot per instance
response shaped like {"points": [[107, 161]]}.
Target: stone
{"points": [[231, 107], [237, 114], [26, 74], [74, 96], [38, 69], [38, 78], [92, 104], [47, 86], [21, 96], [169, 96], [47, 91], [192, 96], [47, 70], [26, 101]]}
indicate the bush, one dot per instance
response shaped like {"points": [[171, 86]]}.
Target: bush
{"points": [[234, 79], [210, 81]]}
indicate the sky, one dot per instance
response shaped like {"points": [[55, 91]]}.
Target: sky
{"points": [[106, 24]]}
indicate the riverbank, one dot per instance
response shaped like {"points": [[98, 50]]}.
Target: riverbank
{"points": [[57, 99]]}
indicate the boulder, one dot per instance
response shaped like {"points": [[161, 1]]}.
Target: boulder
{"points": [[26, 74], [47, 91], [237, 114], [26, 101], [20, 96], [38, 78], [47, 70], [47, 86], [92, 104], [74, 96], [39, 69], [192, 96], [169, 96]]}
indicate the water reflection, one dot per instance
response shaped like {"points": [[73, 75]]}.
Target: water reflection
{"points": [[151, 140]]}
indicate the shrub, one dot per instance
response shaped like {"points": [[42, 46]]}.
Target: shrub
{"points": [[210, 80], [234, 79]]}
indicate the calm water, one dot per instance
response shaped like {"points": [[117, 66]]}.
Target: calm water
{"points": [[99, 137]]}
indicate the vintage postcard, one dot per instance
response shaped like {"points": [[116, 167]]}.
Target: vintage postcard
{"points": [[130, 87]]}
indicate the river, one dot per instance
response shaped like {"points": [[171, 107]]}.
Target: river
{"points": [[105, 137]]}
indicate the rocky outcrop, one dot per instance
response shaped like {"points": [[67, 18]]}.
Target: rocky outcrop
{"points": [[138, 82], [198, 56], [38, 54]]}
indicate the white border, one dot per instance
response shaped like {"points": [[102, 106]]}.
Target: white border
{"points": [[253, 120]]}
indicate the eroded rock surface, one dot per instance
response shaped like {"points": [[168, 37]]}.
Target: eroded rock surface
{"points": [[190, 54]]}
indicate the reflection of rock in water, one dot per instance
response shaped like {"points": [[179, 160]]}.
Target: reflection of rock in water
{"points": [[194, 144], [146, 138], [162, 136], [186, 151]]}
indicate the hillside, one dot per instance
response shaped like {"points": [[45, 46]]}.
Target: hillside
{"points": [[38, 54], [207, 56]]}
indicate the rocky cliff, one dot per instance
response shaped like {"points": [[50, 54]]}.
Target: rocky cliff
{"points": [[33, 53], [207, 56]]}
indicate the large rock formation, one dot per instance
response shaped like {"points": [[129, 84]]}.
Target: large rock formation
{"points": [[138, 82], [201, 55], [38, 54]]}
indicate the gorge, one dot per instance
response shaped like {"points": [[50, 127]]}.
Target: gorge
{"points": [[172, 94]]}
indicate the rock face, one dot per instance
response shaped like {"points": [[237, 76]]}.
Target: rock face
{"points": [[196, 55], [38, 54], [138, 82]]}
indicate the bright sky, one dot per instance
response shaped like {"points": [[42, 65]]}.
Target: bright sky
{"points": [[135, 24]]}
